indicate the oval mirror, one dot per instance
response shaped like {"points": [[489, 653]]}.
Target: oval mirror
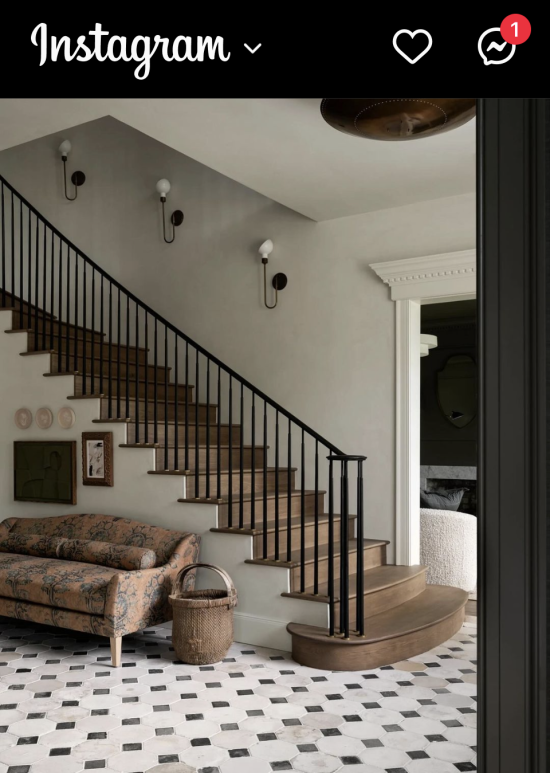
{"points": [[457, 390]]}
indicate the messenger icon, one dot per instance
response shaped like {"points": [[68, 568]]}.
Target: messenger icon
{"points": [[493, 49]]}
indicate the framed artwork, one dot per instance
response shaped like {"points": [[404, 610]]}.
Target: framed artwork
{"points": [[45, 471], [97, 459]]}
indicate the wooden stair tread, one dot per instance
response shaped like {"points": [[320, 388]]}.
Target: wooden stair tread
{"points": [[377, 579], [213, 446], [295, 522], [123, 379], [258, 498], [429, 608], [310, 554], [235, 472], [151, 400]]}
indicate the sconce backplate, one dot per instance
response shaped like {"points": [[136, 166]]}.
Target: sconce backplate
{"points": [[78, 179], [177, 217], [280, 281]]}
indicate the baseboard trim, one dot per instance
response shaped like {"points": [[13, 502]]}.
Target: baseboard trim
{"points": [[262, 632]]}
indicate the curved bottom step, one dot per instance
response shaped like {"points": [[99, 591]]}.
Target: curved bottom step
{"points": [[410, 629]]}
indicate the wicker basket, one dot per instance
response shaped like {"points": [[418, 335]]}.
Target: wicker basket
{"points": [[203, 619]]}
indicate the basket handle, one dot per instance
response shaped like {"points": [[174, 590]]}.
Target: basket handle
{"points": [[231, 590]]}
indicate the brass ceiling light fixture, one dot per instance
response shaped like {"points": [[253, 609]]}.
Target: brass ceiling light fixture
{"points": [[388, 118]]}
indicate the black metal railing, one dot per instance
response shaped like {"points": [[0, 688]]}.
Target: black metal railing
{"points": [[232, 444]]}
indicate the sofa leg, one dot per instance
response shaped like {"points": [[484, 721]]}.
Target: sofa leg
{"points": [[116, 651]]}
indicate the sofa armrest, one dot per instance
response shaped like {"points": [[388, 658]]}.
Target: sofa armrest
{"points": [[139, 599]]}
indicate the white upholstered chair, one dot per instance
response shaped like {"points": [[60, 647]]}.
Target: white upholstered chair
{"points": [[448, 547]]}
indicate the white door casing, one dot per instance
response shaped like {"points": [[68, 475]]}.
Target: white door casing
{"points": [[414, 282]]}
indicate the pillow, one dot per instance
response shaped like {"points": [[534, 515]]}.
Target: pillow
{"points": [[107, 554], [442, 500], [31, 545]]}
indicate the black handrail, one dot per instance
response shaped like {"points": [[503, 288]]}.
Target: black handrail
{"points": [[172, 327]]}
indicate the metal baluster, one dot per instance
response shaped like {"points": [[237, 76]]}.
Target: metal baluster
{"points": [[277, 535], [101, 338], [219, 450], [76, 305], [3, 250], [137, 379], [111, 344], [84, 323], [21, 321], [12, 212], [44, 288], [146, 439], [303, 517], [36, 283], [136, 406], [241, 463], [166, 460], [119, 342], [177, 399], [52, 302], [68, 318], [187, 467], [253, 481], [60, 296], [344, 551], [230, 474], [197, 431], [156, 403], [92, 366], [316, 527], [331, 546], [360, 617], [289, 496], [207, 429], [29, 274], [265, 545]]}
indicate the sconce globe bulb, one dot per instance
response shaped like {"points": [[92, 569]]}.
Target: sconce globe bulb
{"points": [[266, 249], [65, 148], [163, 187]]}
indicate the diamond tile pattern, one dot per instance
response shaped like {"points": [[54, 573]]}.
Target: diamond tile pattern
{"points": [[64, 709]]}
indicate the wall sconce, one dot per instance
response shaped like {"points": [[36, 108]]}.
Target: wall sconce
{"points": [[77, 178], [279, 281], [163, 187]]}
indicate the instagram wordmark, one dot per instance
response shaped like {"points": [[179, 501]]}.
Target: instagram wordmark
{"points": [[102, 46]]}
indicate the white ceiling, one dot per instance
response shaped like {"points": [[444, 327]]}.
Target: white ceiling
{"points": [[279, 147]]}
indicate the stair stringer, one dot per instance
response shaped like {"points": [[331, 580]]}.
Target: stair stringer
{"points": [[262, 615]]}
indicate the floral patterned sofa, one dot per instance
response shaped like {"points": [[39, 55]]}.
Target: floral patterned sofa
{"points": [[94, 573]]}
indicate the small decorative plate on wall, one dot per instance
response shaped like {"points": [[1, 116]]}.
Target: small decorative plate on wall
{"points": [[23, 418], [44, 418], [66, 418]]}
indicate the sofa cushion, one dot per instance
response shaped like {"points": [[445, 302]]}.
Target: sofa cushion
{"points": [[102, 528], [107, 554], [31, 545], [55, 583]]}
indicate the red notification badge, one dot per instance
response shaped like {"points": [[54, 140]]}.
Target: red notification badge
{"points": [[515, 29]]}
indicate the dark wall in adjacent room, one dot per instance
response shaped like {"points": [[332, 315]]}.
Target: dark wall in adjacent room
{"points": [[442, 443]]}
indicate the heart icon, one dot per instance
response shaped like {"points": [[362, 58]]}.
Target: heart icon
{"points": [[412, 35]]}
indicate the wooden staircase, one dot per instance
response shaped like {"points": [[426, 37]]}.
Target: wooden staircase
{"points": [[403, 616]]}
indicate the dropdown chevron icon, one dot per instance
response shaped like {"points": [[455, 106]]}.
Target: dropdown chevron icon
{"points": [[252, 50]]}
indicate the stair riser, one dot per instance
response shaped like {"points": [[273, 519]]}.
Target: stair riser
{"points": [[224, 481], [295, 509], [296, 539], [224, 458], [115, 387], [389, 598], [203, 433], [37, 346], [96, 367], [373, 557], [161, 409], [47, 326]]}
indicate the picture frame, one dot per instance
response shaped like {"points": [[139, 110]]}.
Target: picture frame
{"points": [[45, 472], [97, 459]]}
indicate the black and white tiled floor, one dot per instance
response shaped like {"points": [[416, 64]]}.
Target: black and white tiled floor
{"points": [[63, 709]]}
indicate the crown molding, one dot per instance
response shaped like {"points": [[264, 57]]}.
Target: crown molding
{"points": [[445, 275]]}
